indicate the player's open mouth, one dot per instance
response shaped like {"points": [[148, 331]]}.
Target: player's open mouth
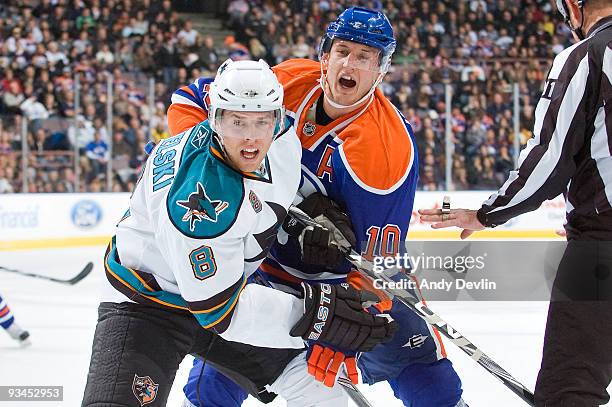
{"points": [[249, 153], [346, 81]]}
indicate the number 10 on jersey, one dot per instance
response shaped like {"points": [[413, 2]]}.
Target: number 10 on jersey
{"points": [[385, 244]]}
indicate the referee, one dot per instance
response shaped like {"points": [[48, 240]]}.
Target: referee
{"points": [[570, 154]]}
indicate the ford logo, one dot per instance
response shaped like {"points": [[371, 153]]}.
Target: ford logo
{"points": [[86, 214]]}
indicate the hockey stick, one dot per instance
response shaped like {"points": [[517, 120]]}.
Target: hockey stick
{"points": [[354, 393], [82, 274], [412, 302]]}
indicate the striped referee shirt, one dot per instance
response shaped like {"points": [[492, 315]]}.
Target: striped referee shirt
{"points": [[571, 151]]}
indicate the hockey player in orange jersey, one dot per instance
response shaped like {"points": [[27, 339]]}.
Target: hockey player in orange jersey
{"points": [[359, 158]]}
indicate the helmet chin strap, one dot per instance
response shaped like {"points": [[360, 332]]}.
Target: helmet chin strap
{"points": [[219, 139], [224, 154], [329, 99]]}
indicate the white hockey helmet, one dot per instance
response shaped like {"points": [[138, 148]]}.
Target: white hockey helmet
{"points": [[246, 86]]}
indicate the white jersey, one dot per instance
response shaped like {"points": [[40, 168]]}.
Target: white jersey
{"points": [[197, 228]]}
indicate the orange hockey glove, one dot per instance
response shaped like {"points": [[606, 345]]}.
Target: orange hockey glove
{"points": [[324, 363]]}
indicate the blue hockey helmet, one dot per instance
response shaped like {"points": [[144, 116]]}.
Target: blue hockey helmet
{"points": [[363, 26]]}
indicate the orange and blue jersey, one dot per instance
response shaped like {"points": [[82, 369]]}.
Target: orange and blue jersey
{"points": [[365, 161], [189, 106], [6, 316]]}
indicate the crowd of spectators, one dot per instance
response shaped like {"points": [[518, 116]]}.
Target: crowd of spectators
{"points": [[479, 47], [44, 45]]}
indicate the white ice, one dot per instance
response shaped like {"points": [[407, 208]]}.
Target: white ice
{"points": [[61, 320]]}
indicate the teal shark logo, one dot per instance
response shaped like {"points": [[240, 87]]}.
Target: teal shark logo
{"points": [[200, 207]]}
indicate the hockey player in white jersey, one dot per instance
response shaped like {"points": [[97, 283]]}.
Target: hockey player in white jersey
{"points": [[201, 219]]}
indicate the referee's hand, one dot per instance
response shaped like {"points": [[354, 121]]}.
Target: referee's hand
{"points": [[462, 218]]}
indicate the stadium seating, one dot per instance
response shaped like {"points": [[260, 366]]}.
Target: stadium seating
{"points": [[481, 48]]}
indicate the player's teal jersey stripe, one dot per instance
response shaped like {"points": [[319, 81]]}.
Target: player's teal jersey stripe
{"points": [[205, 318], [209, 319], [135, 283], [206, 195]]}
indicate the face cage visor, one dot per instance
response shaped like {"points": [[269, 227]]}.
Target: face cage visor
{"points": [[372, 60], [248, 125]]}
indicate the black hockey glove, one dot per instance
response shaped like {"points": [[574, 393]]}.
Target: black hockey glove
{"points": [[315, 242], [317, 249], [334, 315]]}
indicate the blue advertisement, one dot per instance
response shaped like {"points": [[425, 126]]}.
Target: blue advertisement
{"points": [[86, 214]]}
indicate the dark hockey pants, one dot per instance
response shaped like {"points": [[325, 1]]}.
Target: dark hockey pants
{"points": [[137, 350]]}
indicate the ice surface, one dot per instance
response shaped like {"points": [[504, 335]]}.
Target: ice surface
{"points": [[61, 320]]}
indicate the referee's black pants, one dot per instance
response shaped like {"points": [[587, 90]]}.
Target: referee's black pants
{"points": [[577, 358]]}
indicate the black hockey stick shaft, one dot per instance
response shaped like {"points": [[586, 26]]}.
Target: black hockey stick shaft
{"points": [[414, 303], [82, 274]]}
